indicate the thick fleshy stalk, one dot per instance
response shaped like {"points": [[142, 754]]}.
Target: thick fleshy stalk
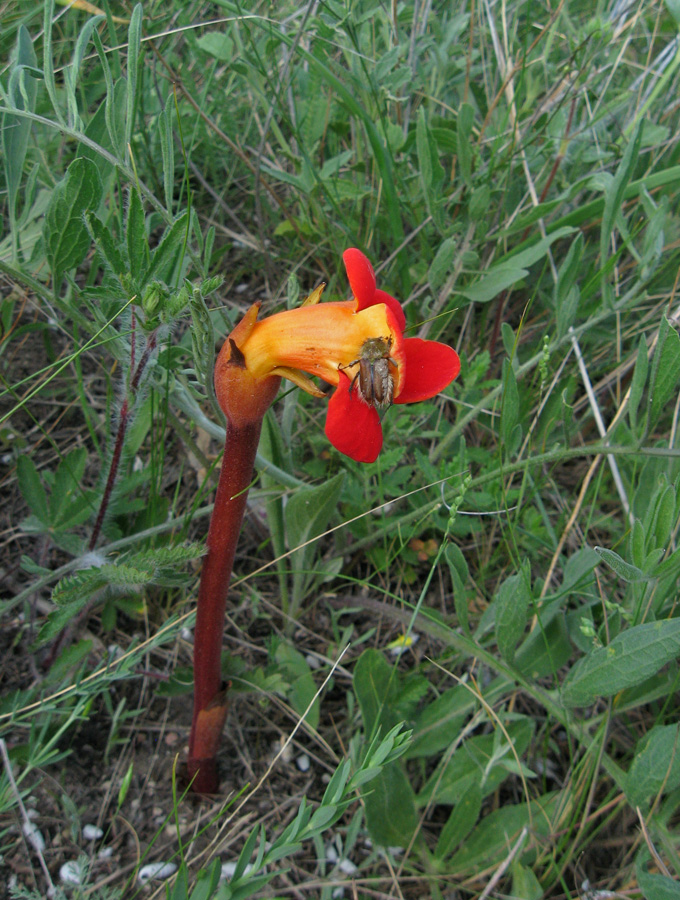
{"points": [[244, 401], [210, 703]]}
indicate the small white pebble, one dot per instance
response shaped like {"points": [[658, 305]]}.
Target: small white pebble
{"points": [[312, 661], [6, 459], [34, 836], [92, 833], [303, 763], [138, 464], [157, 870], [243, 287], [32, 813], [338, 892], [71, 872], [395, 851], [347, 866], [331, 854], [186, 634], [229, 868], [105, 853]]}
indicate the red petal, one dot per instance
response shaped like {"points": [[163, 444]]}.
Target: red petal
{"points": [[381, 297], [361, 277], [352, 426], [429, 366]]}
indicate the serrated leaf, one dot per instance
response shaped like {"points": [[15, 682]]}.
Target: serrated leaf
{"points": [[633, 656], [66, 237]]}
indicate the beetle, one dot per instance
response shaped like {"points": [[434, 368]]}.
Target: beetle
{"points": [[374, 381]]}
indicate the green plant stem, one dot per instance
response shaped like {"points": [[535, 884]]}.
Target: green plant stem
{"points": [[210, 704]]}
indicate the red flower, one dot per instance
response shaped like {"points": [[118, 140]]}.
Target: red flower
{"points": [[357, 345]]}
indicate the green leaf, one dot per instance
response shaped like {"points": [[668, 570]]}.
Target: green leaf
{"points": [[461, 822], [207, 881], [466, 116], [623, 569], [441, 263], [498, 831], [32, 489], [171, 248], [137, 244], [638, 382], [480, 200], [134, 43], [653, 886], [217, 44], [16, 131], [545, 650], [524, 883], [665, 370], [656, 765], [633, 656], [459, 576], [431, 171], [454, 776], [376, 685], [301, 684], [673, 7], [106, 244], [165, 121], [389, 802], [509, 409], [66, 236], [496, 280], [307, 514], [511, 605], [615, 192], [440, 722]]}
